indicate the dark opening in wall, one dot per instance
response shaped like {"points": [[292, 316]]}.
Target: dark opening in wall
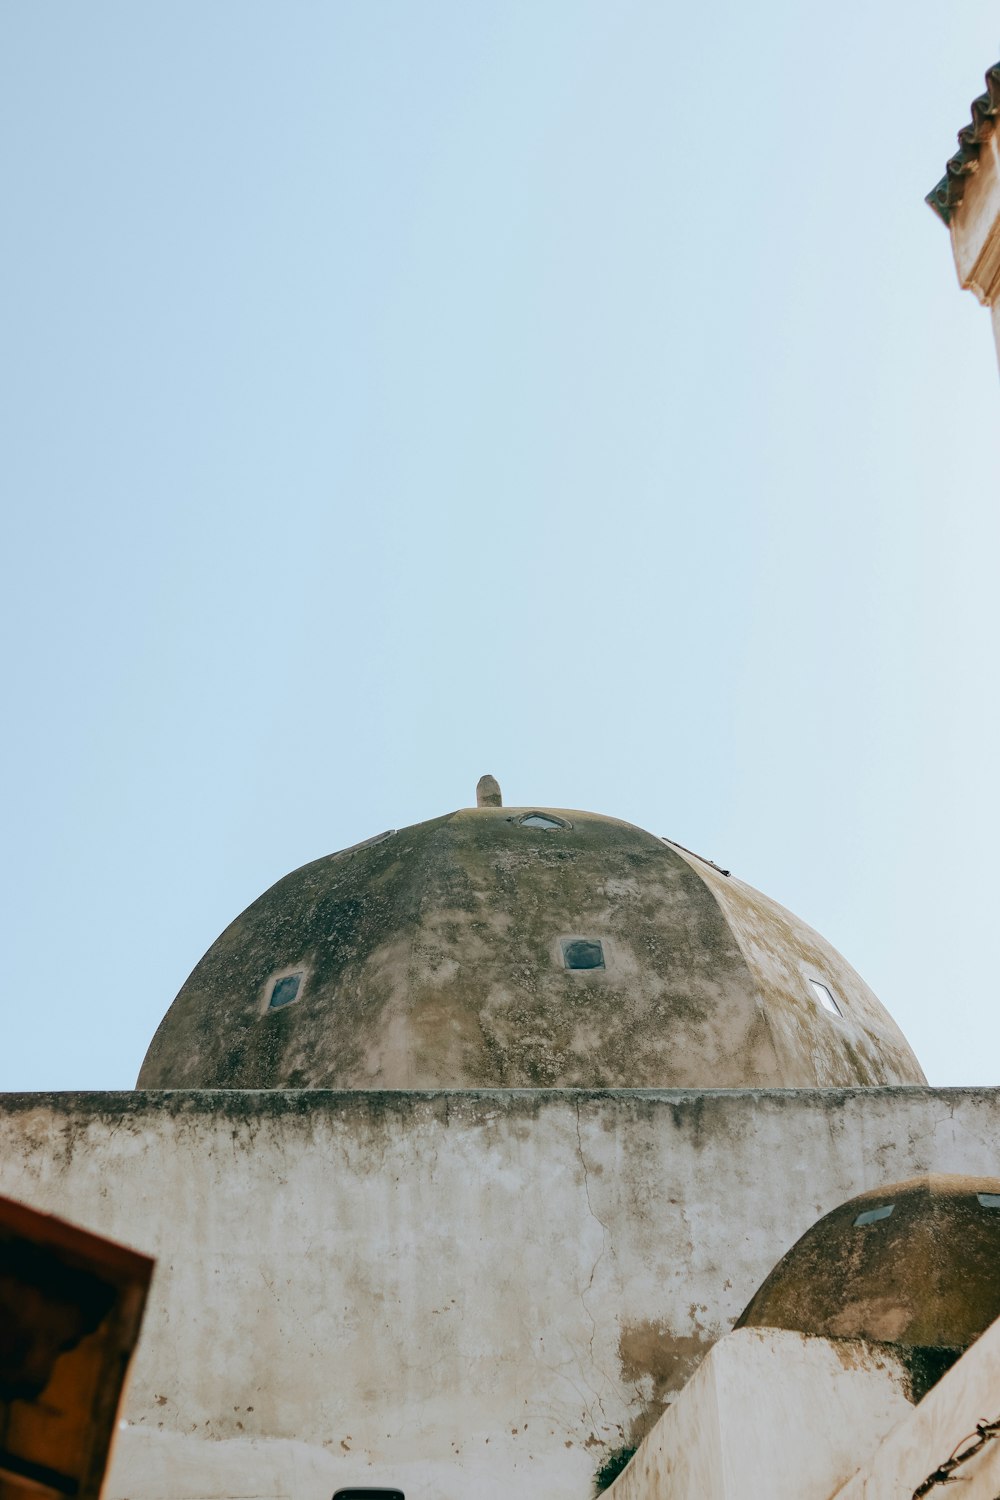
{"points": [[284, 991], [583, 953], [369, 1494]]}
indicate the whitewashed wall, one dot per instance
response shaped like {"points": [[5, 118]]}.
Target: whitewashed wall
{"points": [[770, 1415], [465, 1294]]}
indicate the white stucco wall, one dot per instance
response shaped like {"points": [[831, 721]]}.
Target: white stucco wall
{"points": [[463, 1294], [770, 1415], [943, 1426]]}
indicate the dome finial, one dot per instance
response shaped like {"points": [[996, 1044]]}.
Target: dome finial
{"points": [[488, 792]]}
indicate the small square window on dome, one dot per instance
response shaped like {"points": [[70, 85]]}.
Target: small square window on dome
{"points": [[583, 953], [825, 998], [284, 990], [989, 1200]]}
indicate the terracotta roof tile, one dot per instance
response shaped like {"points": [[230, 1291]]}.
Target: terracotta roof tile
{"points": [[949, 192]]}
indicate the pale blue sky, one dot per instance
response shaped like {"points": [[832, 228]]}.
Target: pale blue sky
{"points": [[578, 392]]}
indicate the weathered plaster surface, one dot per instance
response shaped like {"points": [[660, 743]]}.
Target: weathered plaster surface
{"points": [[943, 1426], [770, 1415], [431, 958], [783, 954], [464, 1293]]}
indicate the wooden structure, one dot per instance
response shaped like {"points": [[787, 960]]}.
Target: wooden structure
{"points": [[71, 1305]]}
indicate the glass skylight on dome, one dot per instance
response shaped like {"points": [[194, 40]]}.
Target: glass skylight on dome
{"points": [[873, 1215], [825, 998]]}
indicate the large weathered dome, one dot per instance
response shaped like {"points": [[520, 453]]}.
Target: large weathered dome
{"points": [[522, 948]]}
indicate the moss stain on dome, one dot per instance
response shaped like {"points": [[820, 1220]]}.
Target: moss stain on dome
{"points": [[923, 1275], [436, 958]]}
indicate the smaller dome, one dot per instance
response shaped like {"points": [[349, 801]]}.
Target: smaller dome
{"points": [[913, 1264]]}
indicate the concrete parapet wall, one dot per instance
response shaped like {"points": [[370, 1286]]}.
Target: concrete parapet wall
{"points": [[917, 1455], [462, 1293], [770, 1415]]}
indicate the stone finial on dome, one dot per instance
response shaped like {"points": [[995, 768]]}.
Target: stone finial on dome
{"points": [[488, 792]]}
